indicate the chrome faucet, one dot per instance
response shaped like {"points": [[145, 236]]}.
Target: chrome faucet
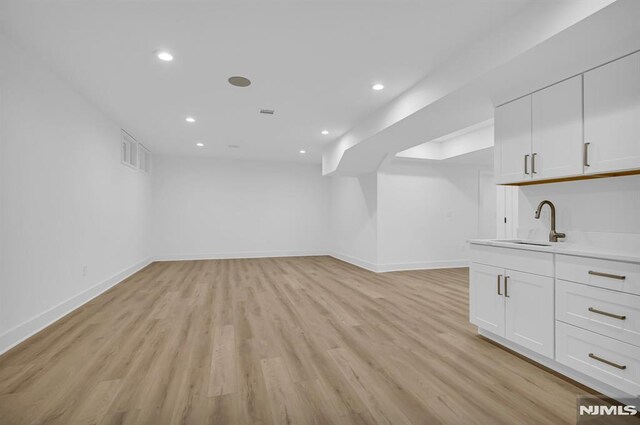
{"points": [[553, 235]]}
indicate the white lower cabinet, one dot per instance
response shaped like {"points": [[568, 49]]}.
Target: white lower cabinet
{"points": [[486, 306], [529, 311], [611, 313], [606, 359], [581, 312], [515, 305]]}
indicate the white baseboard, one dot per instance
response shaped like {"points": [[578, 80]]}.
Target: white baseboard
{"points": [[449, 264], [15, 336], [367, 265], [355, 261], [238, 255], [585, 380], [382, 268]]}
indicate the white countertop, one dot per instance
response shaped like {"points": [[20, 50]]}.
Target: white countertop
{"points": [[566, 248]]}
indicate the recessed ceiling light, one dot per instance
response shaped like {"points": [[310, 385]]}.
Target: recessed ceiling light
{"points": [[190, 119], [239, 81], [165, 56], [325, 132], [377, 86], [199, 145], [233, 146], [303, 151]]}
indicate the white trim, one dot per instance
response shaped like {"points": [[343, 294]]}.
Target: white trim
{"points": [[355, 261], [446, 264], [238, 255], [600, 387], [15, 336], [383, 268], [367, 265]]}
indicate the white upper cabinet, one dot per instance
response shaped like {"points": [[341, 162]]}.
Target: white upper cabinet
{"points": [[557, 130], [512, 150], [612, 116], [588, 124]]}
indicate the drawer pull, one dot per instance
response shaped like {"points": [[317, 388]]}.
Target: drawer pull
{"points": [[506, 286], [533, 164], [600, 359], [499, 278], [604, 313], [609, 275], [586, 154]]}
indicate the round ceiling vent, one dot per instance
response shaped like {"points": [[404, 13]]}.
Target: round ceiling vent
{"points": [[239, 81]]}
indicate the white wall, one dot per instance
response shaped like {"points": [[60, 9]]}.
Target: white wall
{"points": [[602, 212], [427, 213], [488, 205], [409, 215], [66, 200], [216, 208], [354, 223], [506, 213]]}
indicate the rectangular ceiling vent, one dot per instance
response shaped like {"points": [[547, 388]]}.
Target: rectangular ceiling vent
{"points": [[267, 111]]}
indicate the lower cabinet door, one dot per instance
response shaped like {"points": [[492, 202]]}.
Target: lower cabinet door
{"points": [[486, 298], [530, 311]]}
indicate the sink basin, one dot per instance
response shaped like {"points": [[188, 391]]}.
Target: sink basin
{"points": [[519, 242]]}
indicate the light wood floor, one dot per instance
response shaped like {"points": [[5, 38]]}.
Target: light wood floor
{"points": [[276, 341]]}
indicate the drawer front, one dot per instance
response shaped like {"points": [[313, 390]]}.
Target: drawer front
{"points": [[535, 262], [616, 275], [610, 313], [613, 362]]}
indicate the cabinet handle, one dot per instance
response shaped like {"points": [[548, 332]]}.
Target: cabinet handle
{"points": [[499, 278], [600, 359], [533, 163], [506, 286], [609, 275], [604, 313], [526, 164], [586, 154]]}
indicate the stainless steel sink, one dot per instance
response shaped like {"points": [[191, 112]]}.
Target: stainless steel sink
{"points": [[519, 242]]}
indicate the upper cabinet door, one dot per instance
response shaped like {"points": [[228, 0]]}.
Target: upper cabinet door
{"points": [[557, 130], [512, 150], [612, 116]]}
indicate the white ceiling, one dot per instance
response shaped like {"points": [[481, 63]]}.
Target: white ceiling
{"points": [[312, 61]]}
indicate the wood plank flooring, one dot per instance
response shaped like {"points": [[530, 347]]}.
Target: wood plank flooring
{"points": [[307, 340]]}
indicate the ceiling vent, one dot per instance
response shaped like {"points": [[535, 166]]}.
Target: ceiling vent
{"points": [[239, 81], [267, 111]]}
